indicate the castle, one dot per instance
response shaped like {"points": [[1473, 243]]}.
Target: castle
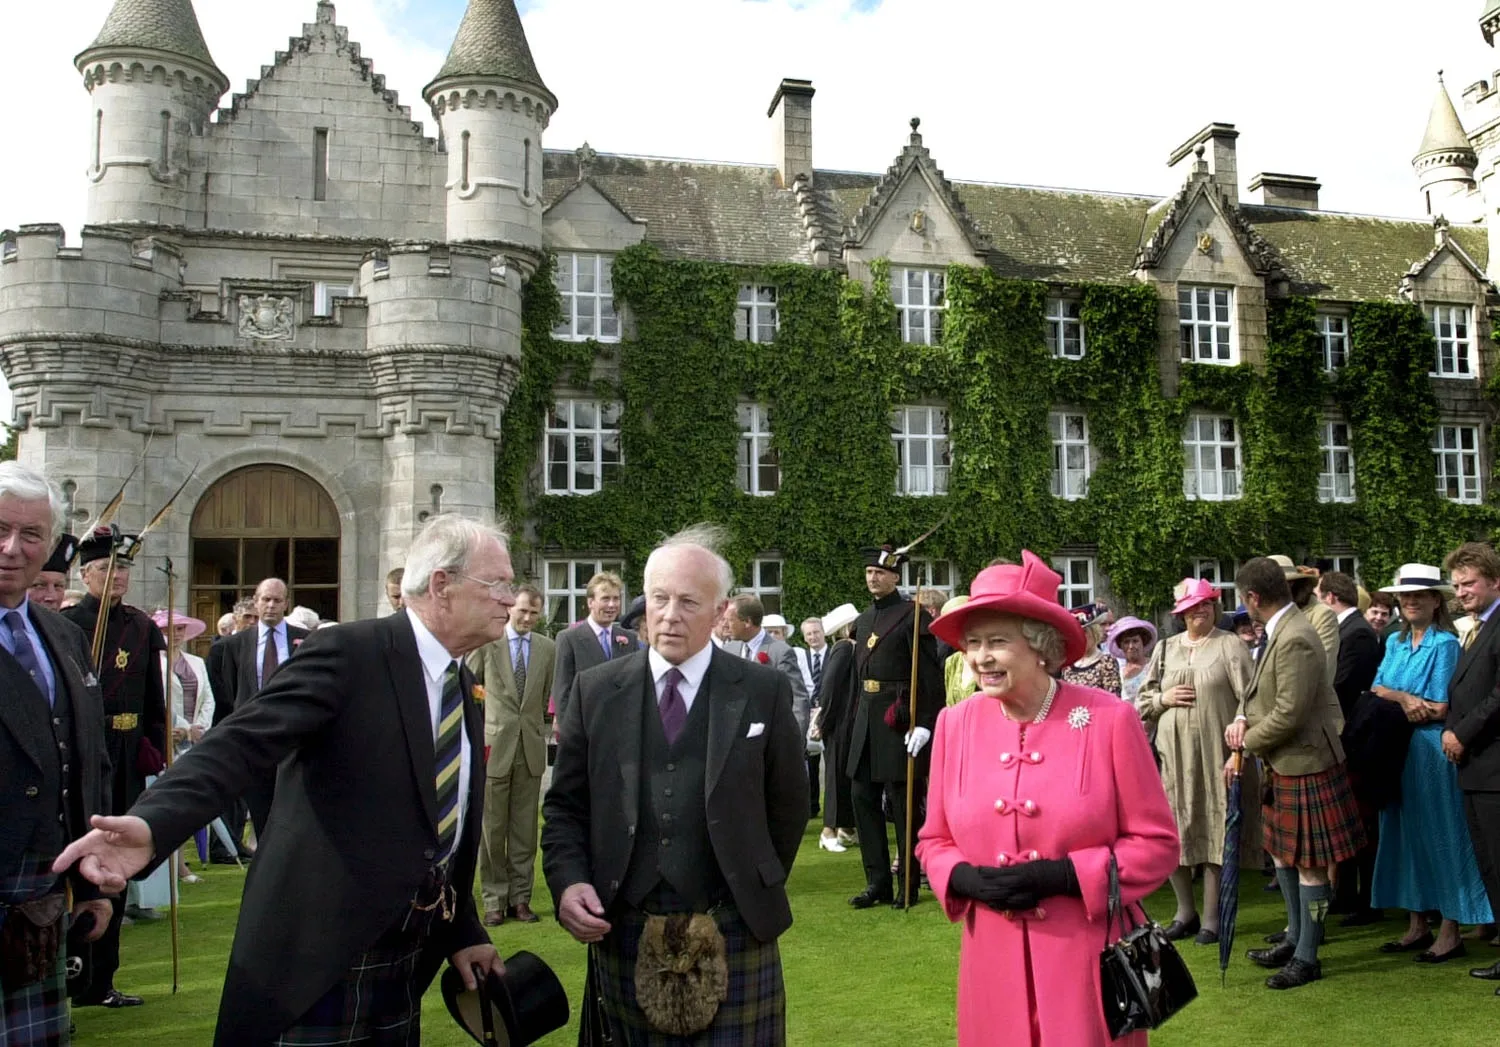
{"points": [[309, 313]]}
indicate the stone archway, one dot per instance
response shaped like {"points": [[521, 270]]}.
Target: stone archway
{"points": [[259, 522]]}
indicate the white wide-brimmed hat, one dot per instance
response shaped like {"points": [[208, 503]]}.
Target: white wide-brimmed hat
{"points": [[1416, 577], [842, 615], [776, 621]]}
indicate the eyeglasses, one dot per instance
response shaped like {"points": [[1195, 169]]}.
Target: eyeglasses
{"points": [[498, 590]]}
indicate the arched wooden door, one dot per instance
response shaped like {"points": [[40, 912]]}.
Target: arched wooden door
{"points": [[265, 521]]}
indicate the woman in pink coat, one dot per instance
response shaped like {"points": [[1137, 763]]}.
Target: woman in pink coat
{"points": [[1033, 784]]}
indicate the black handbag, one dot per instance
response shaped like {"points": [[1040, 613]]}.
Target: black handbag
{"points": [[1142, 979]]}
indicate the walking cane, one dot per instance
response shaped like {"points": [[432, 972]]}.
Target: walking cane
{"points": [[911, 761], [176, 858]]}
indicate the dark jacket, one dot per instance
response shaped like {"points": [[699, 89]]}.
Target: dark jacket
{"points": [[1474, 710], [578, 649], [1359, 661], [755, 786], [354, 821], [238, 670]]}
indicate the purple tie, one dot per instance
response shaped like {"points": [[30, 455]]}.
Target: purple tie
{"points": [[672, 708]]}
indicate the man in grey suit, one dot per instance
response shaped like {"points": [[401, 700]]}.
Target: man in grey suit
{"points": [[746, 616], [679, 788], [516, 674], [593, 641]]}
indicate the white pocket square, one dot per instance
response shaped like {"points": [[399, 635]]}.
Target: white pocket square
{"points": [[756, 730]]}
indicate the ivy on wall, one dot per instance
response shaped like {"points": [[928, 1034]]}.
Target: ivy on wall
{"points": [[838, 367]]}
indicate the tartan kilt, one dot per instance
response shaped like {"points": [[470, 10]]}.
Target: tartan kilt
{"points": [[752, 1015], [376, 1002], [1311, 820], [34, 1015]]}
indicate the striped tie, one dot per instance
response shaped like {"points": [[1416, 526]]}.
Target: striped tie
{"points": [[449, 753]]}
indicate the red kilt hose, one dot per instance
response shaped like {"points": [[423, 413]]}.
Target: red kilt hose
{"points": [[1311, 820]]}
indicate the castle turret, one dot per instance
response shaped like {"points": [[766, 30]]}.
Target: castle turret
{"points": [[493, 107], [1445, 163], [153, 85]]}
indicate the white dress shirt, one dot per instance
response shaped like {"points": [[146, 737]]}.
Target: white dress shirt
{"points": [[435, 663], [1346, 612], [692, 669], [1275, 618], [283, 652]]}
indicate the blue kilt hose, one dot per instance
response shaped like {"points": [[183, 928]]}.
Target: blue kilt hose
{"points": [[753, 1013], [34, 1015]]}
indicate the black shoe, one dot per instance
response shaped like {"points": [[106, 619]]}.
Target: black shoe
{"points": [[1273, 958], [113, 998], [1295, 974], [1180, 929], [1488, 974], [1272, 887], [899, 901], [1415, 945], [1275, 939], [1206, 937], [871, 897], [1429, 956], [1362, 918]]}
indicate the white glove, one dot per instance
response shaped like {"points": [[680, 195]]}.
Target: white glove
{"points": [[915, 739]]}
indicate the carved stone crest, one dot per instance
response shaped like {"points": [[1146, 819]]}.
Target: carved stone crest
{"points": [[267, 318], [1205, 242], [919, 222]]}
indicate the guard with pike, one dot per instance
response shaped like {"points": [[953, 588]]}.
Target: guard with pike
{"points": [[886, 739]]}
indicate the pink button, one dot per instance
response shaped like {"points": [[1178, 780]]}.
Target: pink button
{"points": [[1000, 806], [1039, 913], [1030, 807], [1034, 855], [1034, 757], [1006, 758], [1002, 858]]}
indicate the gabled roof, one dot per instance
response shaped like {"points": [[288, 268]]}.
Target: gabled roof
{"points": [[1261, 255], [914, 159], [170, 26], [492, 43], [584, 178], [1443, 243]]}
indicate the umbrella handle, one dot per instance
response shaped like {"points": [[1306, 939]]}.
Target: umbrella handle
{"points": [[1237, 760]]}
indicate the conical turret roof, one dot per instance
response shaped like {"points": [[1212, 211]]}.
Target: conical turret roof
{"points": [[1445, 134], [156, 25], [492, 43]]}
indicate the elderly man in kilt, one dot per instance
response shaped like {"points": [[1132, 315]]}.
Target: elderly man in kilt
{"points": [[677, 803], [51, 769], [1290, 718]]}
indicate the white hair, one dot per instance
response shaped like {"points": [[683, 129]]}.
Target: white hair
{"points": [[27, 485], [709, 538], [446, 543]]}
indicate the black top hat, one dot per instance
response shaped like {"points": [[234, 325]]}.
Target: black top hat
{"points": [[97, 545], [883, 556], [62, 556], [528, 1001]]}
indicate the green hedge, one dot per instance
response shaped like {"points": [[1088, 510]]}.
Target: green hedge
{"points": [[838, 366]]}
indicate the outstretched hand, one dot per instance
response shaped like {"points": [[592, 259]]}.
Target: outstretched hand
{"points": [[111, 853]]}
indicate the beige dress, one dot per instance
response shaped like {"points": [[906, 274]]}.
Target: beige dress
{"points": [[1190, 740]]}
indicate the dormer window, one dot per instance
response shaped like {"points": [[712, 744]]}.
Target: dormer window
{"points": [[1205, 318], [1454, 334], [920, 296]]}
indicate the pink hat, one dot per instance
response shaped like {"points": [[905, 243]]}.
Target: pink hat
{"points": [[1194, 591], [191, 627], [1026, 591]]}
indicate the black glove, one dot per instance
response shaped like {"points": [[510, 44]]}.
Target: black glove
{"points": [[1015, 888], [966, 881]]}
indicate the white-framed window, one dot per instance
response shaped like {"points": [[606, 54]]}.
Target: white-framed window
{"points": [[582, 446], [762, 577], [1455, 450], [929, 573], [1333, 332], [1336, 480], [1065, 327], [565, 588], [325, 291], [757, 317], [1219, 572], [922, 461], [1344, 563], [586, 284], [1078, 574], [920, 296], [759, 464], [1205, 318], [1211, 453], [1071, 461], [1454, 334]]}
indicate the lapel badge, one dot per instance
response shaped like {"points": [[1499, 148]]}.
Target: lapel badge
{"points": [[872, 641], [122, 659]]}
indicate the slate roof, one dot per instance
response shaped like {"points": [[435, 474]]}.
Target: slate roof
{"points": [[158, 25], [735, 213], [491, 42], [1445, 133]]}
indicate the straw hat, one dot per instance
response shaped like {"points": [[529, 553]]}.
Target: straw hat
{"points": [[842, 615], [1417, 577], [191, 627]]}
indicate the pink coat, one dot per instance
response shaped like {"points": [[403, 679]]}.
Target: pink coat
{"points": [[1084, 783]]}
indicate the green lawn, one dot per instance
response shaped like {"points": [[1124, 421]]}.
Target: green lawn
{"points": [[879, 978]]}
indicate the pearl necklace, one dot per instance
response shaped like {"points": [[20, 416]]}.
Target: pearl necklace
{"points": [[1043, 711]]}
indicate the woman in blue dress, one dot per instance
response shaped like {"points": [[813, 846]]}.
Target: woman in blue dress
{"points": [[1426, 860]]}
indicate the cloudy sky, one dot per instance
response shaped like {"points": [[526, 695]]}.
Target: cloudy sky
{"points": [[1089, 94]]}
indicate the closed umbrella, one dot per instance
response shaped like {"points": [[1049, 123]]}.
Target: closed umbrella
{"points": [[1229, 877]]}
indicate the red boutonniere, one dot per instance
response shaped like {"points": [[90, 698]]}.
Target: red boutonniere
{"points": [[763, 658], [477, 691], [298, 642]]}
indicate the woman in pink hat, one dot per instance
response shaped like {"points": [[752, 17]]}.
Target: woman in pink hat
{"points": [[1193, 687], [1035, 784]]}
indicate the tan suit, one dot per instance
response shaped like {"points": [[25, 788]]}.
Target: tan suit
{"points": [[514, 735], [1291, 711], [1325, 622]]}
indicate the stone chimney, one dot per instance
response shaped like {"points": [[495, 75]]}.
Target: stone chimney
{"points": [[1219, 154], [793, 142], [1284, 190]]}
